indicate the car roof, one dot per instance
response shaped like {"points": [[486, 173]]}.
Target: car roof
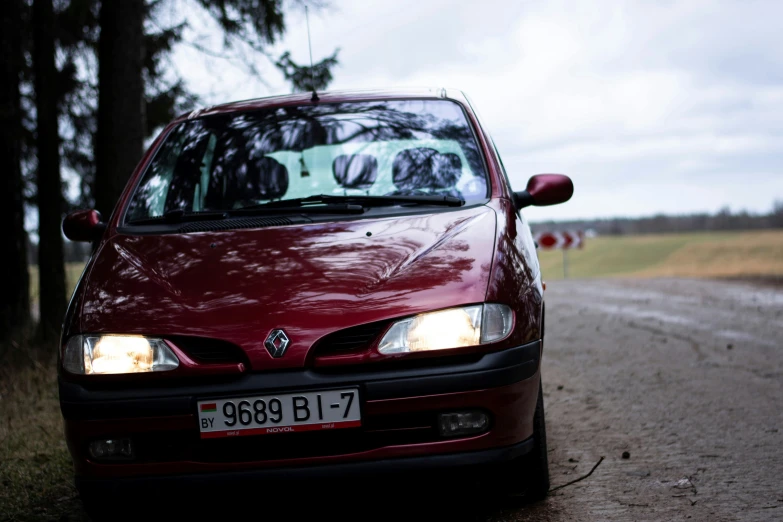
{"points": [[306, 98]]}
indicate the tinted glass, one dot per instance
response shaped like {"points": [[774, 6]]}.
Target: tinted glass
{"points": [[222, 162]]}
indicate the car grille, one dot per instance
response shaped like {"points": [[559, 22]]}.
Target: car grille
{"points": [[210, 351], [350, 340]]}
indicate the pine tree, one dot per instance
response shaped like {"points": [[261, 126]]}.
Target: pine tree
{"points": [[51, 267], [14, 285]]}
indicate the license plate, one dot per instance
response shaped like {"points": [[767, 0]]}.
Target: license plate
{"points": [[279, 413]]}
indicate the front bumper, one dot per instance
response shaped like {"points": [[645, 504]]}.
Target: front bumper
{"points": [[398, 404], [231, 480]]}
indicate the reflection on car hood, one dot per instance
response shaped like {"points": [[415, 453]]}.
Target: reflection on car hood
{"points": [[307, 279]]}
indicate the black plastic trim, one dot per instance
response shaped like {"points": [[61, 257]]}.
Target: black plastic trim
{"points": [[490, 371], [329, 471]]}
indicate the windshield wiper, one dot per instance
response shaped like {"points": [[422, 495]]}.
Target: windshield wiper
{"points": [[316, 204], [181, 216], [265, 208], [367, 201]]}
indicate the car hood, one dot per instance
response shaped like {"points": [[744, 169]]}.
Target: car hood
{"points": [[308, 280]]}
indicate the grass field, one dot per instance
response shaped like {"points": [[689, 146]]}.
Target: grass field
{"points": [[72, 273], [704, 254], [36, 475]]}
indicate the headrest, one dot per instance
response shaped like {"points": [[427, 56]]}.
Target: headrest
{"points": [[425, 168], [266, 179], [355, 171]]}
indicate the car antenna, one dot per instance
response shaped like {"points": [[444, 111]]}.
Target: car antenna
{"points": [[310, 46]]}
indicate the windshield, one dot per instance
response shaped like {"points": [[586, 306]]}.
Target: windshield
{"points": [[379, 148]]}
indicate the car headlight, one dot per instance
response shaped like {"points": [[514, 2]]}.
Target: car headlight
{"points": [[104, 354], [452, 328]]}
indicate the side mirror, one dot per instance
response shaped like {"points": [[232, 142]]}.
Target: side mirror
{"points": [[545, 189], [83, 225]]}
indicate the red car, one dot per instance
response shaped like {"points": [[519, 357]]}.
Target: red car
{"points": [[310, 287]]}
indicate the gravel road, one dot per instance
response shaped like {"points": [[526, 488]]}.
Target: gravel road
{"points": [[684, 375]]}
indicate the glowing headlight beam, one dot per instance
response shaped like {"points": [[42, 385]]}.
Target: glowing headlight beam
{"points": [[117, 354], [447, 329]]}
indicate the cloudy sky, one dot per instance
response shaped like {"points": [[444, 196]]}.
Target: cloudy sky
{"points": [[650, 106]]}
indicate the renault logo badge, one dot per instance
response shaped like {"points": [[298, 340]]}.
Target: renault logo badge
{"points": [[276, 343]]}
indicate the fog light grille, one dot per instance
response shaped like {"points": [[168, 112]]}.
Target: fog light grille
{"points": [[462, 423], [111, 449]]}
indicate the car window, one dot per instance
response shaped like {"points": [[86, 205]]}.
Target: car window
{"points": [[399, 147]]}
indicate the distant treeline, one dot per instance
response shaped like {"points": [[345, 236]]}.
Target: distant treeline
{"points": [[722, 220]]}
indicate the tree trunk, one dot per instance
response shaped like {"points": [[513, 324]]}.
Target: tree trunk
{"points": [[15, 282], [51, 269], [119, 141]]}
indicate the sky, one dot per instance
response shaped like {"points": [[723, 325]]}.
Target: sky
{"points": [[650, 106]]}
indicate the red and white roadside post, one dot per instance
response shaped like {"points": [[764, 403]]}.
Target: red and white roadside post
{"points": [[565, 240]]}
